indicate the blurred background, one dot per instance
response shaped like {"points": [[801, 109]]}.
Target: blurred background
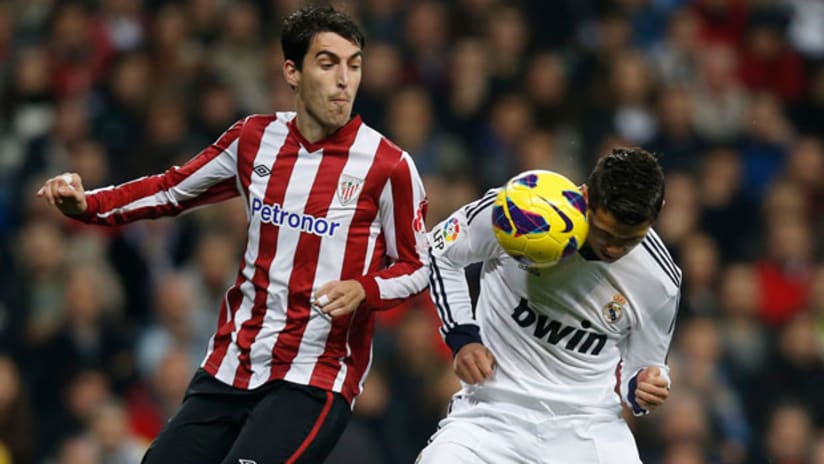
{"points": [[101, 329]]}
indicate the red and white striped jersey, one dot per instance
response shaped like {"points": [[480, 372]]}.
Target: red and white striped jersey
{"points": [[351, 206]]}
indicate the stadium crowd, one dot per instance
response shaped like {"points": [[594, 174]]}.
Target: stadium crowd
{"points": [[101, 329]]}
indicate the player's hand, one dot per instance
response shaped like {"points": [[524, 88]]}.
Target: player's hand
{"points": [[651, 388], [474, 363], [339, 297], [66, 193]]}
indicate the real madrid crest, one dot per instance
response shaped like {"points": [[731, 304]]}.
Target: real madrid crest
{"points": [[614, 310]]}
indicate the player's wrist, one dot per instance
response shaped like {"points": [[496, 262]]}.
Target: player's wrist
{"points": [[462, 335]]}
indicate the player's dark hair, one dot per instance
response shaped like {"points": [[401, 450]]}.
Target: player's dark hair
{"points": [[629, 183], [301, 26]]}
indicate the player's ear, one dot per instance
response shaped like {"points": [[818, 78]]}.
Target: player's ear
{"points": [[585, 192], [291, 74]]}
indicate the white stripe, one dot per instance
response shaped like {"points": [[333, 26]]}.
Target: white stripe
{"points": [[272, 139], [403, 286], [330, 258]]}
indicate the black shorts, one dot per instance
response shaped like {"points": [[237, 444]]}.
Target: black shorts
{"points": [[280, 422]]}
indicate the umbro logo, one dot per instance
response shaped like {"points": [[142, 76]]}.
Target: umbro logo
{"points": [[246, 461], [262, 171]]}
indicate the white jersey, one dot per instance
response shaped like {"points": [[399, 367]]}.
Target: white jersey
{"points": [[559, 334]]}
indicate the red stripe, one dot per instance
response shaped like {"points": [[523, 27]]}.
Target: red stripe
{"points": [[282, 170], [248, 146], [225, 326], [315, 429], [305, 262]]}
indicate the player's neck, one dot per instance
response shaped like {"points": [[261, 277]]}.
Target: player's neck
{"points": [[310, 127]]}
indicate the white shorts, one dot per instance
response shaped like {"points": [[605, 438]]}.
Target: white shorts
{"points": [[476, 432]]}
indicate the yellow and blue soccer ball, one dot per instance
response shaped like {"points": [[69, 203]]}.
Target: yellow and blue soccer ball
{"points": [[540, 218]]}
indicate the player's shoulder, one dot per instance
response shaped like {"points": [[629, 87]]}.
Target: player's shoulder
{"points": [[386, 149], [658, 264]]}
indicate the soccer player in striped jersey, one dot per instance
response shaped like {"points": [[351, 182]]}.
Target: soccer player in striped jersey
{"points": [[539, 354], [336, 231]]}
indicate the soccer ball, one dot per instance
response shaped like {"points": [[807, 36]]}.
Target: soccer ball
{"points": [[540, 218]]}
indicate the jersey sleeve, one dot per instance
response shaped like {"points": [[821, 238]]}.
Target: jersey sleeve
{"points": [[647, 345], [207, 178], [464, 238], [402, 215]]}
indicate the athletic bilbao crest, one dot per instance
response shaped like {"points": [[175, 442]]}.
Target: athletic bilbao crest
{"points": [[349, 188]]}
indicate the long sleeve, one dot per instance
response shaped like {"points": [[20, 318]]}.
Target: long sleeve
{"points": [[647, 345], [464, 238], [402, 215], [207, 178]]}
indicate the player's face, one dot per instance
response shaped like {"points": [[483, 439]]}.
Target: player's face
{"points": [[329, 79], [610, 239]]}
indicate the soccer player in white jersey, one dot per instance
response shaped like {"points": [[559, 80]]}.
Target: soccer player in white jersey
{"points": [[336, 214], [539, 354]]}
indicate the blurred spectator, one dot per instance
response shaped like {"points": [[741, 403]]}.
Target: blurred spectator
{"points": [[679, 218], [804, 29], [469, 87], [675, 58], [698, 369], [718, 101], [506, 40], [805, 168], [676, 140], [151, 401], [79, 50], [17, 421], [792, 373], [79, 450], [510, 119], [118, 124], [179, 325], [722, 21], [28, 106], [768, 63], [789, 435], [785, 272], [725, 208], [175, 56], [109, 427], [764, 144], [239, 57], [546, 87], [81, 394], [40, 258], [210, 272], [743, 337], [809, 113], [123, 23], [382, 74], [425, 33], [701, 266], [434, 152]]}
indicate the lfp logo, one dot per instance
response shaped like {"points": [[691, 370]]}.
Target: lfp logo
{"points": [[451, 229], [304, 222]]}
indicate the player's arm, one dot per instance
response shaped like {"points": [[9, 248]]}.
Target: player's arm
{"points": [[645, 379], [464, 238], [402, 214], [207, 178]]}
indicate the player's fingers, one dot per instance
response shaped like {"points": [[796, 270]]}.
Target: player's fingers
{"points": [[484, 363], [655, 390], [467, 370], [648, 398], [52, 192]]}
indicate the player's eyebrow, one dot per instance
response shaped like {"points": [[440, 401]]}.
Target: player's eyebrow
{"points": [[336, 57]]}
